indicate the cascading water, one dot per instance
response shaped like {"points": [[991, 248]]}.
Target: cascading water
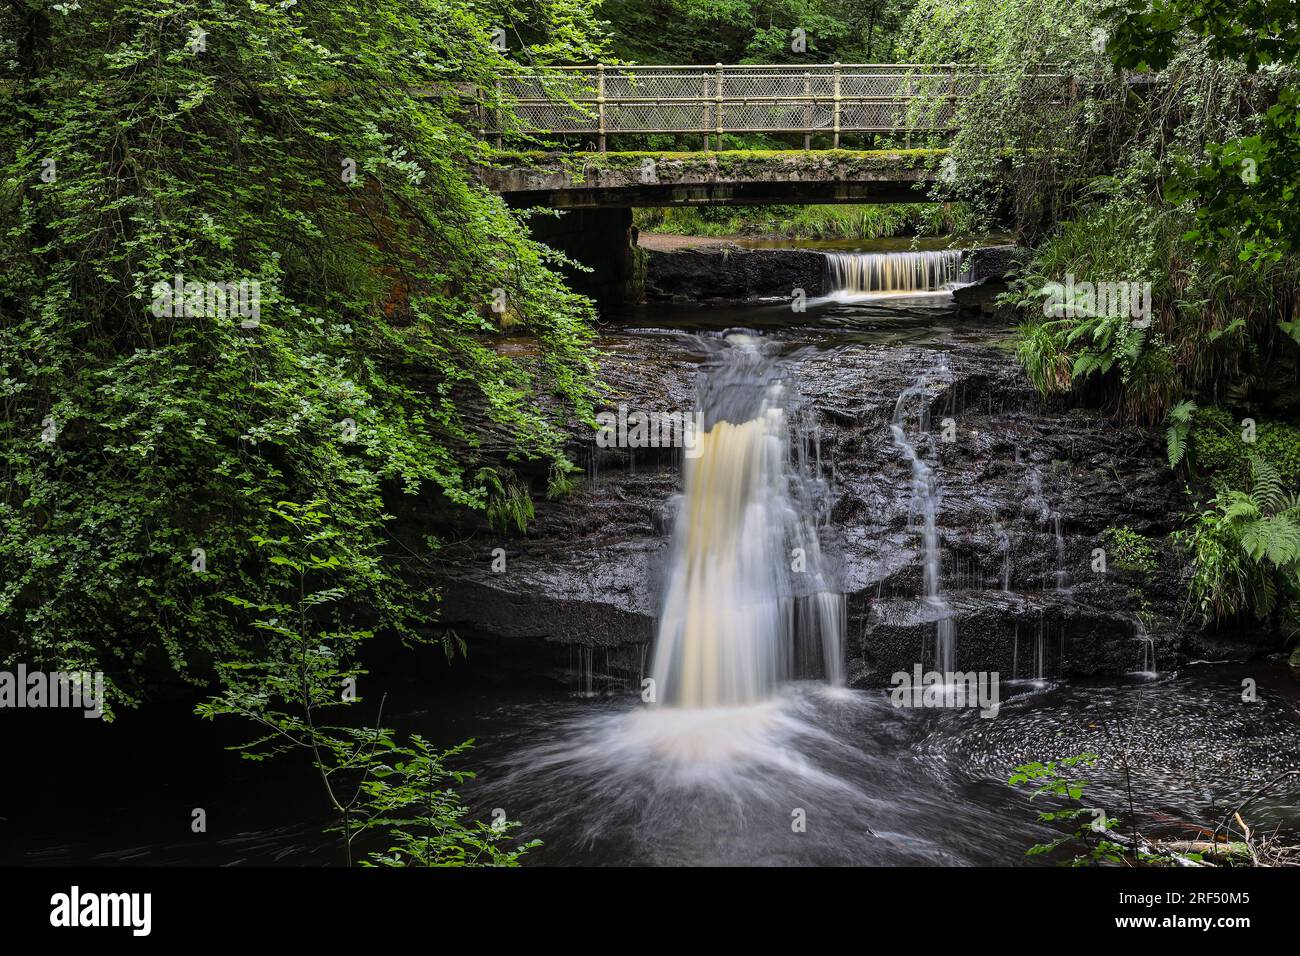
{"points": [[894, 272], [1015, 653], [624, 783], [925, 501], [1060, 550], [1040, 648], [1146, 648], [749, 602]]}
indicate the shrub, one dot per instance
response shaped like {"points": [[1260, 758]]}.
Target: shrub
{"points": [[1245, 551], [1129, 550]]}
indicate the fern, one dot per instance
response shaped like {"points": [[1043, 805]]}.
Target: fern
{"points": [[1180, 426], [1233, 326], [1239, 507], [508, 501], [1246, 549], [1268, 490], [1272, 539]]}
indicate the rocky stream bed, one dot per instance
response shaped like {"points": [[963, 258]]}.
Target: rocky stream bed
{"points": [[1025, 494]]}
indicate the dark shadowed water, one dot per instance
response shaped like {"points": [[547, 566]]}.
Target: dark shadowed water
{"points": [[611, 781], [615, 782]]}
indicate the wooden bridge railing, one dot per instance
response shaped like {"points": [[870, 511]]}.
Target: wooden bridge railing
{"points": [[834, 98]]}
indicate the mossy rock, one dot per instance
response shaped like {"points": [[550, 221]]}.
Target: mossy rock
{"points": [[732, 162]]}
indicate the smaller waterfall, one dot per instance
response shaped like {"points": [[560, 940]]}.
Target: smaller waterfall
{"points": [[1015, 653], [1040, 649], [893, 272], [925, 501], [586, 672], [1004, 545], [1060, 551], [1146, 648]]}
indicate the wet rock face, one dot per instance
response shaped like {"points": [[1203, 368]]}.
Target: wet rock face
{"points": [[993, 262], [728, 274], [1024, 496]]}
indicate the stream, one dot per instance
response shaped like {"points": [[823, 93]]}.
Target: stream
{"points": [[762, 753]]}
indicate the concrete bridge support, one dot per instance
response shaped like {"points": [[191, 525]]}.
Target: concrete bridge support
{"points": [[604, 240]]}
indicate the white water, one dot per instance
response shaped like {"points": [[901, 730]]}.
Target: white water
{"points": [[925, 503], [1040, 649], [1060, 551], [1146, 649], [749, 602], [1006, 563], [893, 273]]}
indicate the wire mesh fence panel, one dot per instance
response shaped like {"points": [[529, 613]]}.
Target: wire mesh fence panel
{"points": [[879, 97]]}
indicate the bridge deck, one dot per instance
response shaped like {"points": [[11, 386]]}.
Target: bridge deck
{"points": [[739, 177]]}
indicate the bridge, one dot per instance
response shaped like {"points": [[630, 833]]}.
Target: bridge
{"points": [[597, 102], [586, 106], [582, 109]]}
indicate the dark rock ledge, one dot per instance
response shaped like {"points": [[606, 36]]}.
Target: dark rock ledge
{"points": [[589, 572]]}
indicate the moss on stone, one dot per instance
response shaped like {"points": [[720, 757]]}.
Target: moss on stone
{"points": [[730, 162]]}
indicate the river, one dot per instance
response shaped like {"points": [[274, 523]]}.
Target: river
{"points": [[786, 770]]}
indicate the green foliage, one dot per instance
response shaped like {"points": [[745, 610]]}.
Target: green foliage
{"points": [[875, 221], [509, 503], [1180, 426], [409, 797], [1245, 551], [1219, 453], [306, 670], [1084, 183], [755, 31], [1214, 325], [561, 482], [1038, 348], [1054, 779], [1243, 542], [1129, 550], [1017, 148], [1245, 186], [177, 432]]}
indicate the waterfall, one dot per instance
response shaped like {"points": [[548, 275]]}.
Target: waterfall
{"points": [[893, 272], [749, 601], [925, 501], [1146, 648], [1015, 653], [1060, 551], [1040, 648], [1004, 545]]}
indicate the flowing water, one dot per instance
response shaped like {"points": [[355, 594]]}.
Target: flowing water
{"points": [[894, 273], [925, 502], [751, 751], [610, 781], [1146, 649], [749, 600]]}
